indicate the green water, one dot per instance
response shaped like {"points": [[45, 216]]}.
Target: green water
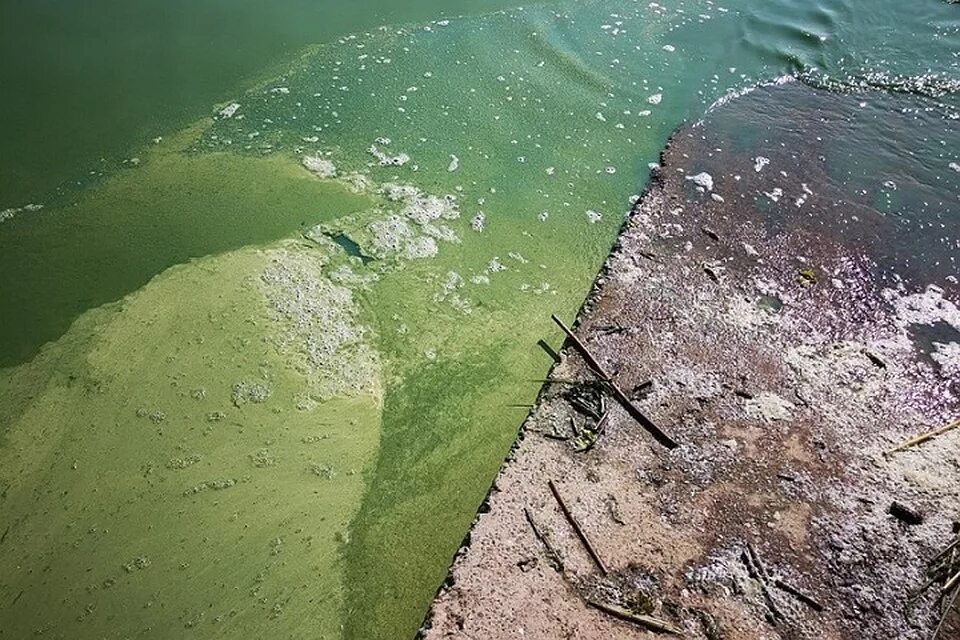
{"points": [[86, 82], [219, 421]]}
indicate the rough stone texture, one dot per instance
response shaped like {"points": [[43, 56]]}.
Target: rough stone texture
{"points": [[786, 367]]}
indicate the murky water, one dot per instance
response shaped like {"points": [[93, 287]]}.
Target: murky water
{"points": [[264, 358]]}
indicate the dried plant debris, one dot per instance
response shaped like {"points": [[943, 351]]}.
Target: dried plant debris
{"points": [[588, 399]]}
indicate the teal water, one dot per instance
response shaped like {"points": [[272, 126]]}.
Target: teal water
{"points": [[87, 82], [538, 122]]}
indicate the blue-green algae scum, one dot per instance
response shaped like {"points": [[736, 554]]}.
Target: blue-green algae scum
{"points": [[272, 279]]}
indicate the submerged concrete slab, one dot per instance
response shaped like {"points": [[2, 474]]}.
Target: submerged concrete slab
{"points": [[787, 361]]}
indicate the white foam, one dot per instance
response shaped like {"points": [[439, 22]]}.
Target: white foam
{"points": [[229, 110], [320, 166], [478, 222], [703, 180]]}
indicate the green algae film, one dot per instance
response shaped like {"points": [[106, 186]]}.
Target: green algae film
{"points": [[87, 82], [163, 477], [288, 440], [171, 207]]}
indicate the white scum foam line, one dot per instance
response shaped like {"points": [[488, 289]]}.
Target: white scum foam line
{"points": [[733, 94]]}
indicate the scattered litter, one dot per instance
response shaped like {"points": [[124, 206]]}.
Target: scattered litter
{"points": [[807, 277]]}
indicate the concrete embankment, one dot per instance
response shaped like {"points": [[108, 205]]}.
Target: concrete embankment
{"points": [[787, 363]]}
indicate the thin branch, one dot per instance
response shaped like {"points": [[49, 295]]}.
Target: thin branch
{"points": [[618, 393], [923, 437], [654, 624], [576, 527]]}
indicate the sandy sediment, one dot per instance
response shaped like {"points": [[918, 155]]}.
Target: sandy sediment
{"points": [[785, 366]]}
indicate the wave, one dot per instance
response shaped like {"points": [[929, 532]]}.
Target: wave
{"points": [[930, 85]]}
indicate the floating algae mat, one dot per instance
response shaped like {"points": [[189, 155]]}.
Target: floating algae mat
{"points": [[260, 376]]}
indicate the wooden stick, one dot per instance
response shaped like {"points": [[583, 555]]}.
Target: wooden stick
{"points": [[950, 547], [759, 573], [943, 618], [552, 556], [950, 583], [582, 348], [601, 425], [618, 393], [756, 563], [654, 624], [576, 527], [923, 437], [799, 595]]}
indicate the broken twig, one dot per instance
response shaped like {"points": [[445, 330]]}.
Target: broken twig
{"points": [[946, 615], [759, 573], [654, 624], [552, 556], [799, 595], [923, 437], [951, 583], [576, 527], [618, 393], [950, 547]]}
